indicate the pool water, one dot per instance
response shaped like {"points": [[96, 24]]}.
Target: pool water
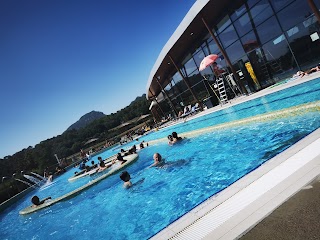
{"points": [[195, 169], [293, 96]]}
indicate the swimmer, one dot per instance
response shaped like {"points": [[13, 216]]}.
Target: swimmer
{"points": [[125, 176], [157, 160], [36, 201], [120, 158], [171, 140], [175, 137], [102, 165]]}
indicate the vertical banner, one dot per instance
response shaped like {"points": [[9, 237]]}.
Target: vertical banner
{"points": [[252, 74]]}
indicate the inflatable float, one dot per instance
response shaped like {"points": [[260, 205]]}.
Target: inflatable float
{"points": [[112, 170]]}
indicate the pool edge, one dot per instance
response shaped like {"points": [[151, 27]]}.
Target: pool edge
{"points": [[249, 216]]}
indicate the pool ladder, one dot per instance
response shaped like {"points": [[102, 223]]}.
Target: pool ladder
{"points": [[222, 90]]}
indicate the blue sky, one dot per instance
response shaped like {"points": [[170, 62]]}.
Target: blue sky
{"points": [[62, 59]]}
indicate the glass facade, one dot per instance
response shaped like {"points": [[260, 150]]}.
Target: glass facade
{"points": [[266, 41]]}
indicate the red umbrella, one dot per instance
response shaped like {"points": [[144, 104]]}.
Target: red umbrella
{"points": [[208, 60]]}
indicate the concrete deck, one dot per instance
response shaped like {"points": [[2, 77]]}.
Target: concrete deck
{"points": [[236, 210]]}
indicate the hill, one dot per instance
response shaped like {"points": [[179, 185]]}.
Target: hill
{"points": [[86, 119]]}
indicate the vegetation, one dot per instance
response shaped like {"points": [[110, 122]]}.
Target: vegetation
{"points": [[66, 146]]}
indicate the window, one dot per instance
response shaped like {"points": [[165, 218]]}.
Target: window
{"points": [[235, 51], [190, 67], [223, 24], [213, 47], [243, 25], [268, 30], [249, 42], [288, 17], [228, 36], [252, 2], [198, 57], [261, 12], [237, 13], [279, 4]]}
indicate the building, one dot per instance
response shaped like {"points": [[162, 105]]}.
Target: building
{"points": [[258, 43]]}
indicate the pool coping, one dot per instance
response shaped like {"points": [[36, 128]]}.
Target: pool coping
{"points": [[228, 214]]}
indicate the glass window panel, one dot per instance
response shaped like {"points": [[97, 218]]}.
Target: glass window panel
{"points": [[279, 58], [243, 25], [261, 12], [268, 30], [223, 24], [200, 90], [198, 57], [235, 51], [205, 48], [190, 67], [213, 47], [237, 13], [249, 42], [306, 51], [179, 82], [279, 4], [194, 79], [228, 36], [288, 17], [251, 3]]}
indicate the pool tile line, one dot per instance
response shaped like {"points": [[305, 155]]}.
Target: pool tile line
{"points": [[290, 163]]}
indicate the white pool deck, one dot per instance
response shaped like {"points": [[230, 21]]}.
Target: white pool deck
{"points": [[235, 210]]}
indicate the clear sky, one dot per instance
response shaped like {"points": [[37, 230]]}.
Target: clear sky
{"points": [[62, 59]]}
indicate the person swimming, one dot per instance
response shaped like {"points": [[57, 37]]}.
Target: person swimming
{"points": [[125, 176], [175, 137], [158, 161], [36, 201], [171, 140]]}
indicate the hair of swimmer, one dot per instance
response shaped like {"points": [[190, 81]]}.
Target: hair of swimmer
{"points": [[125, 176], [174, 134], [35, 200]]}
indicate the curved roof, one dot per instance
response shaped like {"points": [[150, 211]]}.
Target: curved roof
{"points": [[190, 31]]}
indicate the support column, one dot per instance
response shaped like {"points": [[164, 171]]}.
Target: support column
{"points": [[314, 9], [226, 57], [174, 109], [157, 103], [185, 81]]}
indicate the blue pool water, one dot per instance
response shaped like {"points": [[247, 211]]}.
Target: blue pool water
{"points": [[296, 95], [196, 169]]}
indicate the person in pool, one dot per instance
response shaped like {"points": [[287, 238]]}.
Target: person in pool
{"points": [[120, 158], [102, 165], [175, 137], [158, 161], [36, 201], [125, 176], [171, 140]]}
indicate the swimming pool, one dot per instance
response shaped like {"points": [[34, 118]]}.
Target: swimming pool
{"points": [[196, 169]]}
